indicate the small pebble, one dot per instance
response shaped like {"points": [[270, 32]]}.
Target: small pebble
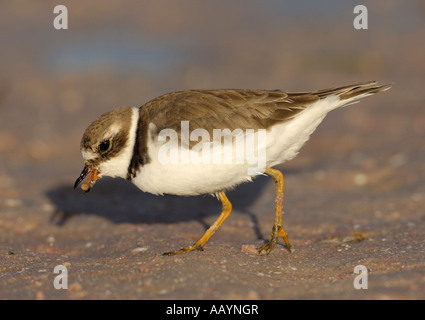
{"points": [[39, 295], [249, 248], [360, 179], [13, 202]]}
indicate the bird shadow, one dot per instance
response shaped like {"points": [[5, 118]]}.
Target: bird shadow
{"points": [[121, 202]]}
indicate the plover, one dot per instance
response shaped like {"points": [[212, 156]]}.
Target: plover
{"points": [[175, 143]]}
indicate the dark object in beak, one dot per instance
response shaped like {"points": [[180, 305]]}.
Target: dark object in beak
{"points": [[87, 171]]}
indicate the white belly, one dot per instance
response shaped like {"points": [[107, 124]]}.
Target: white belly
{"points": [[191, 174]]}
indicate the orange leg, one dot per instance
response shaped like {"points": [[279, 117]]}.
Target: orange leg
{"points": [[199, 245], [277, 230]]}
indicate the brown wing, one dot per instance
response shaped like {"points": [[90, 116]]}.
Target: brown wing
{"points": [[220, 109]]}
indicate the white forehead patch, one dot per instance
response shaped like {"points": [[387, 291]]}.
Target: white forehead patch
{"points": [[88, 154]]}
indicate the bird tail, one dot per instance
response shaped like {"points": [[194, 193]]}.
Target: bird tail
{"points": [[353, 93]]}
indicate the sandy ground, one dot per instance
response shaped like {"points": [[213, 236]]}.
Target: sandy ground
{"points": [[354, 196]]}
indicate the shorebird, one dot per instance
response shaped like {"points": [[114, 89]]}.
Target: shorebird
{"points": [[196, 142]]}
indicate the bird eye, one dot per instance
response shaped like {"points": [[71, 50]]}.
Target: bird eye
{"points": [[105, 146]]}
